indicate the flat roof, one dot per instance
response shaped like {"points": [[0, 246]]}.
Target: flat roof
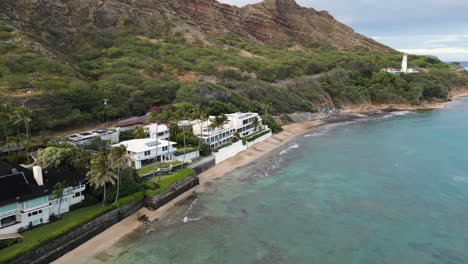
{"points": [[144, 144], [90, 134]]}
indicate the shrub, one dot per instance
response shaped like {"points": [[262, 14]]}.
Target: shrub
{"points": [[4, 243], [180, 152], [258, 135]]}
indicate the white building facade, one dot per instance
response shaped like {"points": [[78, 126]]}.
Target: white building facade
{"points": [[213, 136], [85, 138], [34, 204], [158, 129], [142, 152], [245, 124]]}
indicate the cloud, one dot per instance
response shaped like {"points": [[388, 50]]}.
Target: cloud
{"points": [[448, 47], [436, 26], [445, 54]]}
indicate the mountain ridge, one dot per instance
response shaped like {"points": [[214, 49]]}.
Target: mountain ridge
{"points": [[277, 23]]}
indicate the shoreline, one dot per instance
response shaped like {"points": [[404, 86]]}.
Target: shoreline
{"points": [[109, 237]]}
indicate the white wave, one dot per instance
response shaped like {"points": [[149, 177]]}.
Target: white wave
{"points": [[460, 179], [188, 219], [329, 127], [150, 230], [321, 132], [399, 113], [295, 146], [191, 205]]}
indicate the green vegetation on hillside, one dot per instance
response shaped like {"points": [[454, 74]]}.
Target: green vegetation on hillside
{"points": [[137, 69]]}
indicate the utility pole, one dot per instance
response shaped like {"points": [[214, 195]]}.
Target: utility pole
{"points": [[105, 103]]}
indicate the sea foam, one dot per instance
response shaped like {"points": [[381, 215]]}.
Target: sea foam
{"points": [[295, 146]]}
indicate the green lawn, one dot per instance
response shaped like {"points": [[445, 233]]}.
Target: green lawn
{"points": [[170, 179], [154, 167], [35, 237], [180, 151]]}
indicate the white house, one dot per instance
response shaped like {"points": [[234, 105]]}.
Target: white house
{"points": [[241, 123], [145, 151], [213, 136], [84, 138], [25, 195], [161, 130], [392, 70]]}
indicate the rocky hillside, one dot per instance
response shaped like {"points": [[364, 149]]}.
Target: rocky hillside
{"points": [[61, 58], [278, 23]]}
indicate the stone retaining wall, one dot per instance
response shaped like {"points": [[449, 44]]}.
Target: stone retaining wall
{"points": [[63, 244], [176, 189]]}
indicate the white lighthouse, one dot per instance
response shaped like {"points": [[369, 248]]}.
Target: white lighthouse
{"points": [[404, 64], [404, 67]]}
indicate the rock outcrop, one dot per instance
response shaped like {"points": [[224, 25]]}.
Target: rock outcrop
{"points": [[277, 23]]}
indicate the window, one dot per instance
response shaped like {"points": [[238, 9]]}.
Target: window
{"points": [[245, 122], [8, 209], [36, 202], [34, 213], [78, 194], [165, 148], [148, 152]]}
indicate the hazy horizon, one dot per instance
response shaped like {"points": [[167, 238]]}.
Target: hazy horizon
{"points": [[423, 27]]}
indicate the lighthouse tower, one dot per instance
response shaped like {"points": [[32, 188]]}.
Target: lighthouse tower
{"points": [[404, 64]]}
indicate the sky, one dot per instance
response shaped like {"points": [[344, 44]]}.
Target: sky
{"points": [[423, 27]]}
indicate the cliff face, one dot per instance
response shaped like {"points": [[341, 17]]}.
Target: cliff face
{"points": [[272, 22]]}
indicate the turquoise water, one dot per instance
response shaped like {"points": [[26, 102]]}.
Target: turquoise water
{"points": [[392, 189]]}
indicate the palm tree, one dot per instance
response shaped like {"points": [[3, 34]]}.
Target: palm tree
{"points": [[265, 108], [119, 161], [100, 173], [5, 119], [15, 140], [255, 123], [219, 122], [22, 115], [57, 193], [155, 117], [200, 113], [186, 112]]}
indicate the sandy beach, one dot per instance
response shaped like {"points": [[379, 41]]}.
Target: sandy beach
{"points": [[110, 236], [107, 238]]}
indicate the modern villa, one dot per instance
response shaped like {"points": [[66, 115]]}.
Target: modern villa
{"points": [[213, 136], [241, 123], [161, 130], [142, 152], [85, 138], [25, 195]]}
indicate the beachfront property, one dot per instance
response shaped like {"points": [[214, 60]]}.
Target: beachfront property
{"points": [[160, 129], [145, 151], [404, 67], [241, 123], [25, 195], [85, 138], [244, 123], [213, 136]]}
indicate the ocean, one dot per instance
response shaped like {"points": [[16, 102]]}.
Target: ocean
{"points": [[391, 189], [464, 64]]}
